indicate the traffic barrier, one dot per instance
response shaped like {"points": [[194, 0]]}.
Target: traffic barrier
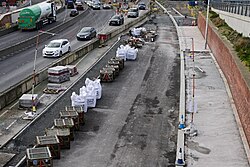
{"points": [[180, 161], [182, 125]]}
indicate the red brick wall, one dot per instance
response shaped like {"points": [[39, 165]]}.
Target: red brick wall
{"points": [[229, 63]]}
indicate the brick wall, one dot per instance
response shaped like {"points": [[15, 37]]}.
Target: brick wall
{"points": [[237, 75]]}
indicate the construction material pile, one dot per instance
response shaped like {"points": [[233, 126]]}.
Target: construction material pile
{"points": [[28, 100], [127, 52], [112, 69], [142, 34], [88, 94], [72, 70], [58, 74], [138, 32]]}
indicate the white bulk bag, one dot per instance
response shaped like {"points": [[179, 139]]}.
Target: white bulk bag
{"points": [[98, 88], [91, 96], [77, 100], [88, 81], [132, 54]]}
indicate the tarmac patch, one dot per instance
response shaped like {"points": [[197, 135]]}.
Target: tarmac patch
{"points": [[195, 146]]}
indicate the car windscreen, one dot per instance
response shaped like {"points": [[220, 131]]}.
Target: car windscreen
{"points": [[85, 30], [54, 45], [132, 10], [115, 17]]}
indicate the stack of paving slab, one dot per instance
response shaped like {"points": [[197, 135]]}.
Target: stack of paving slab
{"points": [[72, 70], [58, 74], [26, 101]]}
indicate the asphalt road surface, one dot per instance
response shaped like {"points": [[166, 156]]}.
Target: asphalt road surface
{"points": [[134, 124], [18, 36], [19, 66]]}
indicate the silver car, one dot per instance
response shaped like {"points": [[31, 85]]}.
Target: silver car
{"points": [[133, 12], [56, 48]]}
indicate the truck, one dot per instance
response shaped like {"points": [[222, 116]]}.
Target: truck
{"points": [[36, 16]]}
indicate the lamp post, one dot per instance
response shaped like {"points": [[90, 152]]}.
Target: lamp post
{"points": [[208, 2], [34, 67]]}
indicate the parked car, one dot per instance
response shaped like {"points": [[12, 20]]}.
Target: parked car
{"points": [[133, 12], [96, 6], [73, 12], [86, 33], [56, 48], [116, 20], [142, 6], [106, 6]]}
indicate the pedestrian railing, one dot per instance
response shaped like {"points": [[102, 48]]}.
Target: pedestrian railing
{"points": [[237, 8]]}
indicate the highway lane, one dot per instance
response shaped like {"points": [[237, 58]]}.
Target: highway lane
{"points": [[20, 66], [18, 36]]}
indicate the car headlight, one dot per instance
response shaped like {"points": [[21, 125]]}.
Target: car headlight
{"points": [[56, 51]]}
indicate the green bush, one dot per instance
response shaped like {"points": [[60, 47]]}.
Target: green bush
{"points": [[241, 44]]}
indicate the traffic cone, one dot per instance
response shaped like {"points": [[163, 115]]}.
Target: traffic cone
{"points": [[180, 161], [182, 125]]}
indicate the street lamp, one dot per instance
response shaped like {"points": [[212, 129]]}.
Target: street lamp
{"points": [[208, 2], [34, 67]]}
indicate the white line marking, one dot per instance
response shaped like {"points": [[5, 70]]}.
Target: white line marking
{"points": [[10, 125], [4, 113]]}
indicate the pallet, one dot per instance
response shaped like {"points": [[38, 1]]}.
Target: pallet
{"points": [[51, 91]]}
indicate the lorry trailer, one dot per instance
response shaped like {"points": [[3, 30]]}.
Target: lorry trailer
{"points": [[35, 16]]}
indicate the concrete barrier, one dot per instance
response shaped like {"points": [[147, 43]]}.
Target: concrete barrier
{"points": [[13, 93]]}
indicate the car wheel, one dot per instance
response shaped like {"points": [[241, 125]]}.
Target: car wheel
{"points": [[60, 54], [69, 49]]}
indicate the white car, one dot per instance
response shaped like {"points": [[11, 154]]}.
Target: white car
{"points": [[56, 48]]}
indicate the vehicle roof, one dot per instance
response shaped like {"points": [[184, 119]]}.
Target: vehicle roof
{"points": [[87, 28], [115, 16], [134, 8], [59, 40]]}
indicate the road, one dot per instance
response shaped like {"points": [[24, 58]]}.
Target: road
{"points": [[134, 124], [135, 121], [17, 67], [11, 38]]}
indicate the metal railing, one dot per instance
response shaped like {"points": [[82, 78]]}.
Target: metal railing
{"points": [[236, 8]]}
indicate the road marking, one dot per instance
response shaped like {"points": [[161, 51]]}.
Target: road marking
{"points": [[10, 125], [4, 113]]}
